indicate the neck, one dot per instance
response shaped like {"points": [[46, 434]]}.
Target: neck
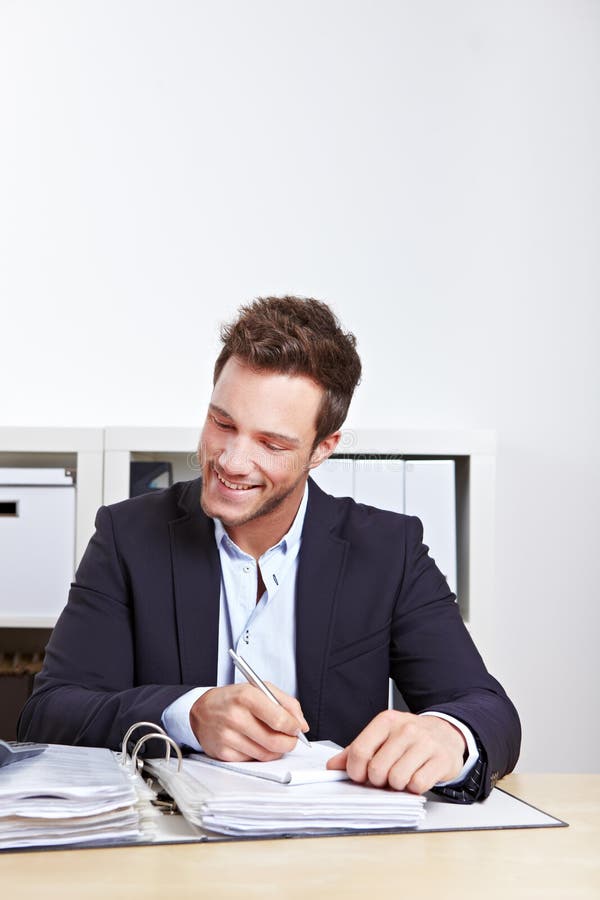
{"points": [[256, 536]]}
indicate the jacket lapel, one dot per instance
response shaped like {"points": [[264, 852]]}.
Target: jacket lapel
{"points": [[320, 569], [197, 585]]}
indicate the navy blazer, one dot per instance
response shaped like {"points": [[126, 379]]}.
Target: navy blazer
{"points": [[141, 627]]}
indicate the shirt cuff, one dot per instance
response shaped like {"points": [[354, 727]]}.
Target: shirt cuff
{"points": [[176, 719], [473, 752]]}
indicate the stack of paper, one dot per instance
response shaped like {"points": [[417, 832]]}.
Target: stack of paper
{"points": [[294, 795], [70, 795]]}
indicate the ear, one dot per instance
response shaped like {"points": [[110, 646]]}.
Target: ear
{"points": [[324, 449]]}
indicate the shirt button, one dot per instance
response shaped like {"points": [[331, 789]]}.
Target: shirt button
{"points": [[247, 568]]}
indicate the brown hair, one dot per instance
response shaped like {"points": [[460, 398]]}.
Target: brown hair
{"points": [[297, 336]]}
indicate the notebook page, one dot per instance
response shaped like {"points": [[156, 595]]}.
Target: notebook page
{"points": [[303, 765]]}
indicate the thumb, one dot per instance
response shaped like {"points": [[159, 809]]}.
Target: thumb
{"points": [[338, 761]]}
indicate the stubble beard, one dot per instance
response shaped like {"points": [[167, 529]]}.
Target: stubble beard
{"points": [[267, 507]]}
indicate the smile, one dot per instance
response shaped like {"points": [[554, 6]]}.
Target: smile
{"points": [[232, 486]]}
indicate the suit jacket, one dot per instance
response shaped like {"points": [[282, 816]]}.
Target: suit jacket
{"points": [[141, 627]]}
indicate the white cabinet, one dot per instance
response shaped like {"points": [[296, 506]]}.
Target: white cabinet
{"points": [[447, 479], [335, 476], [376, 482], [37, 543], [45, 528], [430, 494], [423, 488], [380, 482]]}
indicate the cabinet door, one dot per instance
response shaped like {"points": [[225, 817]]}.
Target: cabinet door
{"points": [[37, 550], [380, 482], [335, 476], [430, 494]]}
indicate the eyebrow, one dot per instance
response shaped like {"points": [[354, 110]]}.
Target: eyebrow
{"points": [[275, 435]]}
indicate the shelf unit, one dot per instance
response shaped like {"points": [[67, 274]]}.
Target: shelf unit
{"points": [[143, 444], [102, 457], [24, 637]]}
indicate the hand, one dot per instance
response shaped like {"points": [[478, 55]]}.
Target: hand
{"points": [[404, 751], [237, 723]]}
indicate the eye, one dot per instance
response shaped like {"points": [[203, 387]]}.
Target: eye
{"points": [[224, 426], [268, 444]]}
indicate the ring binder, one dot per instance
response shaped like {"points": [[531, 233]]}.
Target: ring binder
{"points": [[156, 728], [137, 763], [93, 796]]}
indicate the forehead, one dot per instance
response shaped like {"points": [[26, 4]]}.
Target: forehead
{"points": [[260, 400]]}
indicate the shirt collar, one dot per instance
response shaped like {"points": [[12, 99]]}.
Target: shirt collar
{"points": [[288, 541]]}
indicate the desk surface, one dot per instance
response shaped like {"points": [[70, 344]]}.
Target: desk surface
{"points": [[547, 863]]}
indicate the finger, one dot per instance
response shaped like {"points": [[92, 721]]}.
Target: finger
{"points": [[276, 717], [408, 737], [291, 704], [236, 747], [242, 733], [242, 710], [365, 746], [425, 778], [405, 768], [245, 721], [338, 761]]}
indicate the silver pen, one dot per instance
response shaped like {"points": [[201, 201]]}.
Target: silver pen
{"points": [[251, 676]]}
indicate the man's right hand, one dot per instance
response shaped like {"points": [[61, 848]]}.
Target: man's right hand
{"points": [[237, 723]]}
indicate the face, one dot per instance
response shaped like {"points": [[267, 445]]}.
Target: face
{"points": [[256, 447]]}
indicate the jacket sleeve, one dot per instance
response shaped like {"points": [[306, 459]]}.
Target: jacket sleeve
{"points": [[437, 666], [86, 692]]}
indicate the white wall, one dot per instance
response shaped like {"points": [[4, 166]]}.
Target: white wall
{"points": [[430, 168]]}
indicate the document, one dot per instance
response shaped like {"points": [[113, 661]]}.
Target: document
{"points": [[302, 765], [216, 802], [72, 795], [85, 796], [223, 801]]}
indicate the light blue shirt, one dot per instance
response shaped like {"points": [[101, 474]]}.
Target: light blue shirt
{"points": [[264, 633]]}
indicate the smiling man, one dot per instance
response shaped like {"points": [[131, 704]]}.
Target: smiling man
{"points": [[324, 597], [253, 472]]}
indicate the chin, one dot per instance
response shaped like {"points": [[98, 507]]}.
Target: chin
{"points": [[217, 508]]}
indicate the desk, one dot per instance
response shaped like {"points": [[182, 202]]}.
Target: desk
{"points": [[547, 863]]}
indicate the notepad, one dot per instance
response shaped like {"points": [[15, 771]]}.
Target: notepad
{"points": [[303, 765]]}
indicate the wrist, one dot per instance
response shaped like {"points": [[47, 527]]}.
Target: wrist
{"points": [[473, 748]]}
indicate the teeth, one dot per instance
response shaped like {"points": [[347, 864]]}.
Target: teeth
{"points": [[232, 486]]}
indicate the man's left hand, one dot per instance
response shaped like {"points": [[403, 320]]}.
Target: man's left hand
{"points": [[404, 751]]}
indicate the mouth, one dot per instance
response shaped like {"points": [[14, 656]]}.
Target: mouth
{"points": [[234, 485]]}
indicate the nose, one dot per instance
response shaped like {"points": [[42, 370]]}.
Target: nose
{"points": [[235, 459]]}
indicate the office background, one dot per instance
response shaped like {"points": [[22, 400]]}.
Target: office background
{"points": [[429, 168]]}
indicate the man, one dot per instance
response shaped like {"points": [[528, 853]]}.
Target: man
{"points": [[324, 597]]}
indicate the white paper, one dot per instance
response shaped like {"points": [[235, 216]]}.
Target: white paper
{"points": [[70, 795], [222, 800], [303, 765]]}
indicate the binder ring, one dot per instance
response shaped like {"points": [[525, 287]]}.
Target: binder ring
{"points": [[134, 727], [164, 737]]}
